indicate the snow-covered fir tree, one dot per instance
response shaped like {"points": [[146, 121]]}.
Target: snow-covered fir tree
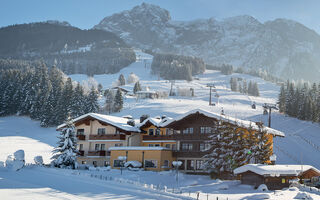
{"points": [[118, 101], [122, 80], [109, 101], [137, 87], [92, 103], [65, 154]]}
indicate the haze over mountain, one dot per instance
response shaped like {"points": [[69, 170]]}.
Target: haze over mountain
{"points": [[283, 47]]}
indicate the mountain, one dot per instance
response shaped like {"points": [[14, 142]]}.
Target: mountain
{"points": [[283, 47], [70, 48]]}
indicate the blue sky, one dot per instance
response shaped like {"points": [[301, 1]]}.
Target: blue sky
{"points": [[87, 13]]}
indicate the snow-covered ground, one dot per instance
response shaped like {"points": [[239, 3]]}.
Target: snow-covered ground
{"points": [[302, 143]]}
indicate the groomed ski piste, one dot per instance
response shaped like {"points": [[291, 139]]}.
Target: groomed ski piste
{"points": [[300, 145]]}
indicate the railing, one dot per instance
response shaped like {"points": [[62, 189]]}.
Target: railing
{"points": [[188, 154], [99, 153], [182, 136], [158, 137], [107, 137], [81, 137]]}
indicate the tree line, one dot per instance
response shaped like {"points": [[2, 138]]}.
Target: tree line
{"points": [[44, 94], [241, 85], [300, 100], [177, 67]]}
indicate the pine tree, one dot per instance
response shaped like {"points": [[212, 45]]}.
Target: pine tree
{"points": [[137, 87], [282, 100], [66, 151], [122, 80], [118, 101], [92, 101], [109, 101]]}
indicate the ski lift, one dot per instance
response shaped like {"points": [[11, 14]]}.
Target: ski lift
{"points": [[222, 111]]}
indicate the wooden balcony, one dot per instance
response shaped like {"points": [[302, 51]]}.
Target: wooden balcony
{"points": [[189, 154], [191, 136], [81, 153], [81, 137], [99, 153], [158, 137], [107, 137]]}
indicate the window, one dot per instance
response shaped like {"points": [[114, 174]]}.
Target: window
{"points": [[151, 145], [167, 131], [118, 145], [188, 131], [168, 146], [205, 129], [174, 147], [80, 131], [117, 163], [101, 131], [103, 147], [165, 164], [151, 131], [150, 164], [83, 162], [157, 131], [199, 164], [157, 145], [97, 147], [80, 147], [186, 147], [94, 163], [204, 146]]}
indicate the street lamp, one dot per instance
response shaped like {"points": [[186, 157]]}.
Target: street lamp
{"points": [[122, 159], [177, 164]]}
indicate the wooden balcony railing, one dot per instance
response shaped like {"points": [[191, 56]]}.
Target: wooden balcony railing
{"points": [[191, 136], [99, 153], [107, 137], [189, 154], [158, 137], [81, 137]]}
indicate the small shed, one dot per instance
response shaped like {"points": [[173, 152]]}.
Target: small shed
{"points": [[276, 177]]}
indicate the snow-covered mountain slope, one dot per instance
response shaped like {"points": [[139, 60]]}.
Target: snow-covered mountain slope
{"points": [[302, 141], [283, 47], [23, 133]]}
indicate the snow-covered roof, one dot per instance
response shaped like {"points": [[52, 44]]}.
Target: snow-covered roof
{"points": [[238, 122], [118, 122], [156, 121], [138, 148], [274, 170]]}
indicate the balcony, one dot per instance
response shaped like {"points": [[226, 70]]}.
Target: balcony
{"points": [[191, 136], [107, 137], [99, 153], [189, 154], [81, 137], [81, 153], [158, 137]]}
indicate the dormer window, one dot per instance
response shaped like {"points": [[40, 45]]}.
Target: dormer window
{"points": [[101, 131]]}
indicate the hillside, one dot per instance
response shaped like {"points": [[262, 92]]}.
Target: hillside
{"points": [[283, 47], [300, 135], [69, 48]]}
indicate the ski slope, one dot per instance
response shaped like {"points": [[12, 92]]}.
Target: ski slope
{"points": [[302, 141]]}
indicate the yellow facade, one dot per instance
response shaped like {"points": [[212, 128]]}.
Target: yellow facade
{"points": [[156, 142], [163, 158]]}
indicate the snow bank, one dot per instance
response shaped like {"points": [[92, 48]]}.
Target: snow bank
{"points": [[223, 187], [262, 188], [19, 155], [303, 195], [259, 196]]}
